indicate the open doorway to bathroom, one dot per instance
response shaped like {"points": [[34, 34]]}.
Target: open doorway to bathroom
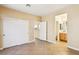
{"points": [[61, 27]]}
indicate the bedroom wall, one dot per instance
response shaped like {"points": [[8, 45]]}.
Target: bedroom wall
{"points": [[73, 29], [1, 36], [51, 34], [50, 27], [73, 22], [72, 25], [21, 15]]}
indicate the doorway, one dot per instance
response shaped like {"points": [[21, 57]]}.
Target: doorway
{"points": [[61, 27]]}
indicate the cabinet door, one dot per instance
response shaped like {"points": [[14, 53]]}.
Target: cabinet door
{"points": [[63, 37], [15, 31]]}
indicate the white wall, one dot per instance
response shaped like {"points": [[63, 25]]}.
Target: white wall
{"points": [[73, 29], [73, 23], [50, 28]]}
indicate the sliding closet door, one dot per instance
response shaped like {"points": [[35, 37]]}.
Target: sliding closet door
{"points": [[15, 31], [42, 30]]}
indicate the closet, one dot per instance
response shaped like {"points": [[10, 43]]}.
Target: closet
{"points": [[15, 31]]}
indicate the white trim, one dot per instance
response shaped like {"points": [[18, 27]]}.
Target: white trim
{"points": [[42, 40], [30, 41], [21, 44], [73, 48], [51, 42]]}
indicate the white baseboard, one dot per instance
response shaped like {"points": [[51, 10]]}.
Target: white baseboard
{"points": [[20, 44], [51, 42], [31, 41], [73, 48]]}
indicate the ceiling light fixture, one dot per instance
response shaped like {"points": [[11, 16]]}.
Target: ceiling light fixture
{"points": [[28, 5]]}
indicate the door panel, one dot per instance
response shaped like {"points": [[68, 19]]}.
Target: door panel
{"points": [[42, 31], [16, 31]]}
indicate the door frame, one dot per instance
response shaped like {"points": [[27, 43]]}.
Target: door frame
{"points": [[59, 26], [1, 33]]}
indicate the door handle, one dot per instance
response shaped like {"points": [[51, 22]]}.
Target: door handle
{"points": [[3, 34]]}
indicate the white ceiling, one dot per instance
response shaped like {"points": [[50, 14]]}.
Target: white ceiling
{"points": [[37, 9]]}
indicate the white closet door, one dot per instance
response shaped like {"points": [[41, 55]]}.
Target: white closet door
{"points": [[15, 31], [42, 30]]}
